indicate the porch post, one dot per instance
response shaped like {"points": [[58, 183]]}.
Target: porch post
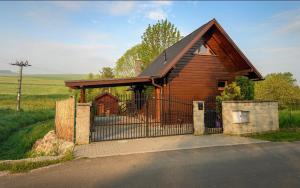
{"points": [[82, 95], [158, 103]]}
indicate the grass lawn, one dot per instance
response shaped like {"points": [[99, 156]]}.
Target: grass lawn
{"points": [[289, 119], [20, 130], [289, 123], [12, 121], [27, 166], [20, 142], [284, 134]]}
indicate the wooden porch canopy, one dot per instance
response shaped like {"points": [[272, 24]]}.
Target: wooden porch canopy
{"points": [[85, 84], [82, 84]]}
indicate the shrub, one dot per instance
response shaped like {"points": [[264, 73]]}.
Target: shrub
{"points": [[247, 87], [281, 87], [231, 92]]}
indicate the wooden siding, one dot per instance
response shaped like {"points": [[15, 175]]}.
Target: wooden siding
{"points": [[196, 76], [106, 105]]}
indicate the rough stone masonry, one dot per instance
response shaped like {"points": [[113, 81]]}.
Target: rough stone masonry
{"points": [[246, 117]]}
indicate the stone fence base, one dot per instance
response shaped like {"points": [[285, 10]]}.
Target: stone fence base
{"points": [[247, 117], [83, 122], [198, 117]]}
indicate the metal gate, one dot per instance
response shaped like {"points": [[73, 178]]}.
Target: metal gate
{"points": [[139, 116], [212, 117]]}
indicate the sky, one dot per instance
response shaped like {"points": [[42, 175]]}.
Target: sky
{"points": [[81, 37]]}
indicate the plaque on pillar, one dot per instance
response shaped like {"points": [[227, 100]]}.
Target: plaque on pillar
{"points": [[200, 105]]}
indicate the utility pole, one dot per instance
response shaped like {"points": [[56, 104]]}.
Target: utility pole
{"points": [[20, 64]]}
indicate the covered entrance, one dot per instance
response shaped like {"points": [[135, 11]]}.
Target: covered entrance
{"points": [[135, 115]]}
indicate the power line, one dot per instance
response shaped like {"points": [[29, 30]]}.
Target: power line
{"points": [[20, 64]]}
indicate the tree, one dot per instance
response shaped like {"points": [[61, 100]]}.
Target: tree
{"points": [[126, 65], [106, 73], [231, 92], [247, 87], [156, 39], [280, 87]]}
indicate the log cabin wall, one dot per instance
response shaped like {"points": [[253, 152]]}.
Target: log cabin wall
{"points": [[106, 104], [196, 76]]}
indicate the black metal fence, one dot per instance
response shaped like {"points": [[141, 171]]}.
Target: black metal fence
{"points": [[212, 117], [140, 115]]}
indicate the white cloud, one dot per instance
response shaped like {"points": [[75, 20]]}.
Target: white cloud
{"points": [[58, 57], [69, 5], [94, 37], [156, 14], [119, 7], [157, 10], [270, 59], [153, 10], [288, 21], [163, 2], [46, 17]]}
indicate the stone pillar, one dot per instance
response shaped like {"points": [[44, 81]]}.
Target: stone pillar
{"points": [[198, 115], [83, 123]]}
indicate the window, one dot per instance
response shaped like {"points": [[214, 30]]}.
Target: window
{"points": [[222, 84], [240, 116], [203, 49]]}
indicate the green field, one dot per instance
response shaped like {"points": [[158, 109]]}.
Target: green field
{"points": [[19, 131], [289, 124], [289, 118], [36, 85], [38, 92]]}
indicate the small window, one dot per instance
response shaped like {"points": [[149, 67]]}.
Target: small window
{"points": [[222, 84], [203, 49]]}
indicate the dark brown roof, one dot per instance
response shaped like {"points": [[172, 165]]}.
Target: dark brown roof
{"points": [[159, 67], [76, 84], [106, 94]]}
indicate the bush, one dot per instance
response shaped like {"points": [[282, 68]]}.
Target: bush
{"points": [[281, 87], [231, 92], [247, 87]]}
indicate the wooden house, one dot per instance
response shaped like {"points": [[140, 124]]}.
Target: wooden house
{"points": [[106, 104], [198, 66]]}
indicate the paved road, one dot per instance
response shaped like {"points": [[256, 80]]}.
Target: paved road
{"points": [[253, 165]]}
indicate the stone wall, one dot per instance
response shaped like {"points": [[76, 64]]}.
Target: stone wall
{"points": [[64, 119], [246, 117], [83, 123], [198, 117]]}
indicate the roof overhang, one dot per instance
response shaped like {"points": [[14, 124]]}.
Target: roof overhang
{"points": [[204, 30], [78, 84]]}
